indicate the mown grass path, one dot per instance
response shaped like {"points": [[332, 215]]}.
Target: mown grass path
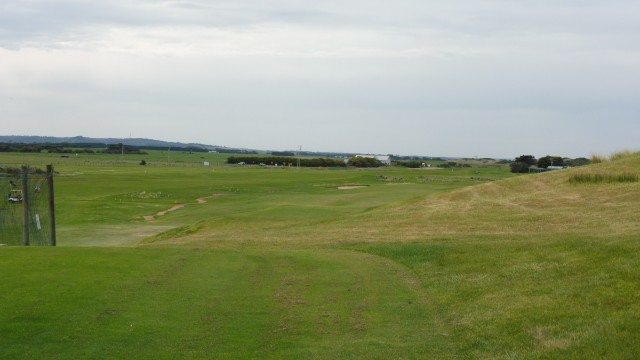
{"points": [[193, 303]]}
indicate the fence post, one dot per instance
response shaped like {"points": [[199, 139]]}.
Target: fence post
{"points": [[52, 207], [25, 205]]}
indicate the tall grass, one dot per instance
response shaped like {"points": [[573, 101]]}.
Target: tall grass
{"points": [[618, 155], [599, 178], [598, 159]]}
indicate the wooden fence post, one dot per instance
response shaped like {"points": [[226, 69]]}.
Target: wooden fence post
{"points": [[52, 207], [25, 205]]}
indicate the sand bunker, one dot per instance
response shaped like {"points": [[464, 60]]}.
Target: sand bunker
{"points": [[351, 187]]}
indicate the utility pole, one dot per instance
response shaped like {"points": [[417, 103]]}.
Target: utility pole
{"points": [[299, 150]]}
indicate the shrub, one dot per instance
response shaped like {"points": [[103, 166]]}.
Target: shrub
{"points": [[365, 162], [519, 167], [545, 162]]}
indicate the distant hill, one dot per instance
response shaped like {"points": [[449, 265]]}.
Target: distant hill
{"points": [[140, 142], [145, 143], [150, 143]]}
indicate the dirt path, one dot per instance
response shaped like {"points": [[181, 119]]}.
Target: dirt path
{"points": [[201, 200], [164, 212]]}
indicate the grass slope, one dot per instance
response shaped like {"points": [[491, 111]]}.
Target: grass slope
{"points": [[529, 267]]}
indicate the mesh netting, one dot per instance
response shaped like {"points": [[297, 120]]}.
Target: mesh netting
{"points": [[14, 197]]}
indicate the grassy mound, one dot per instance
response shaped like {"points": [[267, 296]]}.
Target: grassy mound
{"points": [[529, 267]]}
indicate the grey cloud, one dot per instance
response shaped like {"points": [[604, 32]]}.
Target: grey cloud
{"points": [[330, 68]]}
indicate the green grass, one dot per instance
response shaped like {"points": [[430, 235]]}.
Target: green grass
{"points": [[190, 303], [280, 263]]}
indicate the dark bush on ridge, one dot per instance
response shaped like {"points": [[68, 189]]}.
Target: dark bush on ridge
{"points": [[286, 161]]}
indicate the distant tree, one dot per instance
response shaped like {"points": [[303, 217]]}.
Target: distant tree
{"points": [[365, 162], [522, 164], [409, 164], [283, 153], [530, 160], [119, 148], [519, 167], [545, 162]]}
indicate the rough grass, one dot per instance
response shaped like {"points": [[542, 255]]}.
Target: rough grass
{"points": [[618, 155], [589, 178]]}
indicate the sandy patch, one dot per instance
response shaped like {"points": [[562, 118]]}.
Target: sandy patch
{"points": [[173, 208], [351, 187], [203, 200], [164, 212]]}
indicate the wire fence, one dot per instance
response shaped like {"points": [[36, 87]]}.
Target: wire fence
{"points": [[27, 215]]}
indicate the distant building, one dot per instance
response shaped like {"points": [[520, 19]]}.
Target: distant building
{"points": [[385, 159]]}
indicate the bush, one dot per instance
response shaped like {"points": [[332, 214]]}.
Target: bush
{"points": [[284, 161], [545, 162], [530, 160], [519, 167], [365, 162]]}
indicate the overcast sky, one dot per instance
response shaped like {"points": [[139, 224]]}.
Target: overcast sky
{"points": [[491, 78]]}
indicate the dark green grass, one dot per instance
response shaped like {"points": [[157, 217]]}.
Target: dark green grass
{"points": [[189, 303]]}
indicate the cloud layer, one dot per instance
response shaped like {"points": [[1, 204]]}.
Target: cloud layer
{"points": [[498, 78]]}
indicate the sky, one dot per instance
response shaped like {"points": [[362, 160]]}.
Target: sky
{"points": [[468, 78]]}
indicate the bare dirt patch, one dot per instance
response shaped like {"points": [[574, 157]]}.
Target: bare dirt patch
{"points": [[351, 187], [173, 208], [201, 200], [164, 212]]}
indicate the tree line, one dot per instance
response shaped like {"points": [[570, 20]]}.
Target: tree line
{"points": [[285, 161], [37, 148], [523, 163], [361, 162]]}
